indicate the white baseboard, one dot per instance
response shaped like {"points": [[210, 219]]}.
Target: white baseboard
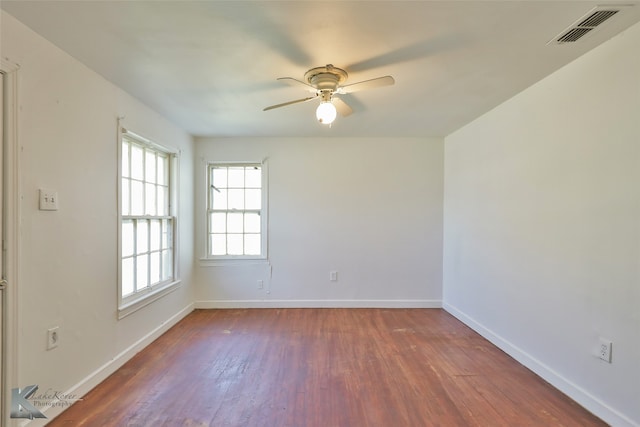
{"points": [[100, 374], [575, 392], [400, 303]]}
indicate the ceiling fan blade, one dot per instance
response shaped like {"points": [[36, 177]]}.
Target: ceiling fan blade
{"points": [[295, 82], [416, 51], [367, 84], [284, 104], [342, 107], [260, 26]]}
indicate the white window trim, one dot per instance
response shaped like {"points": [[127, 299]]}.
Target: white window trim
{"points": [[212, 261], [135, 302]]}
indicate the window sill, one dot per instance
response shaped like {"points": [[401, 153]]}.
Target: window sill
{"points": [[222, 262], [146, 298]]}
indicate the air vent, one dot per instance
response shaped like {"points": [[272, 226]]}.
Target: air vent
{"points": [[597, 18], [585, 25], [573, 34]]}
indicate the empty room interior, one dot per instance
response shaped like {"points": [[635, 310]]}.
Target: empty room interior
{"points": [[320, 213]]}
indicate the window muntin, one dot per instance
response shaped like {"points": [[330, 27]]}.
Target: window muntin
{"points": [[235, 214], [147, 226]]}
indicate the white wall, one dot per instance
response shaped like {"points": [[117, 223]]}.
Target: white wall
{"points": [[369, 208], [542, 227], [67, 276]]}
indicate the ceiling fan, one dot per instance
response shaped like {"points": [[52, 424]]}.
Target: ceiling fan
{"points": [[326, 83]]}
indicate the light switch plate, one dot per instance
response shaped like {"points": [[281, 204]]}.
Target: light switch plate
{"points": [[48, 200]]}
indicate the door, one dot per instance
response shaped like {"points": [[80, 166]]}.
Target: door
{"points": [[9, 232], [3, 377], [8, 235], [3, 345]]}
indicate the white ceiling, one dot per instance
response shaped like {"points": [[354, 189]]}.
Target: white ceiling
{"points": [[211, 66]]}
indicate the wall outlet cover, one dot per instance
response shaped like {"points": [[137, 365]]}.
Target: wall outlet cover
{"points": [[53, 337], [605, 348]]}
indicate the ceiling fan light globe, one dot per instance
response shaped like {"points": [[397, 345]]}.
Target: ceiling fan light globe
{"points": [[326, 113]]}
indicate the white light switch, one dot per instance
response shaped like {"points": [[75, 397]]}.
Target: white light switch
{"points": [[48, 200]]}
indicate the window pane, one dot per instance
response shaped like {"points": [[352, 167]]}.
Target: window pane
{"points": [[163, 201], [236, 177], [219, 177], [236, 199], [218, 244], [142, 278], [235, 223], [235, 244], [166, 233], [150, 199], [127, 238], [127, 276], [154, 268], [253, 199], [162, 170], [218, 223], [252, 244], [125, 196], [167, 264], [150, 166], [137, 162], [154, 235], [220, 199], [169, 233], [251, 223], [137, 198], [142, 229], [210, 198], [253, 177], [125, 159]]}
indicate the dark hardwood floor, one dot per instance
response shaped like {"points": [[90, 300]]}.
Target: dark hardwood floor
{"points": [[323, 368]]}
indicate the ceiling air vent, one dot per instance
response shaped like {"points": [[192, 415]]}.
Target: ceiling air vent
{"points": [[597, 18], [585, 25], [573, 35]]}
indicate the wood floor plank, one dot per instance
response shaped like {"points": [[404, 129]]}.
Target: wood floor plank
{"points": [[323, 368]]}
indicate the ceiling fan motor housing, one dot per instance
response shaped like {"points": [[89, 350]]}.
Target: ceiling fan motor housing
{"points": [[326, 78]]}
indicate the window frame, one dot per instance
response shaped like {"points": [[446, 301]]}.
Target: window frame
{"points": [[133, 302], [211, 259]]}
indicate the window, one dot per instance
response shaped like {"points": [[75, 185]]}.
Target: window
{"points": [[236, 220], [147, 223]]}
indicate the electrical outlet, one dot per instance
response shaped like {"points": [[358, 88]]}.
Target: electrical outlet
{"points": [[604, 349], [53, 337], [333, 276], [260, 284]]}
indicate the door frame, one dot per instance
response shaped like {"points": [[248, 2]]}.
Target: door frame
{"points": [[11, 233]]}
